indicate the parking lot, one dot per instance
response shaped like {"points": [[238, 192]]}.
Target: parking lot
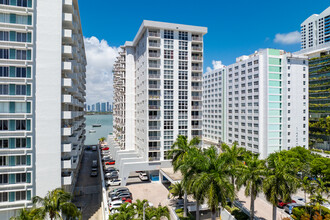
{"points": [[88, 189]]}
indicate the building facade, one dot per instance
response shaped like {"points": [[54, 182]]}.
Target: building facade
{"points": [[42, 80], [315, 43], [260, 102]]}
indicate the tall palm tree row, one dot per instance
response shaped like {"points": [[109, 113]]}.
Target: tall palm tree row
{"points": [[214, 176]]}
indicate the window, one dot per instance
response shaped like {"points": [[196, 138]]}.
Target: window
{"points": [[183, 85], [183, 115], [168, 34], [168, 94], [183, 55], [168, 114], [183, 65], [4, 54], [20, 125], [168, 84], [22, 3], [168, 44], [3, 143], [20, 177], [183, 125], [21, 37], [3, 125], [3, 161], [3, 195], [3, 179], [168, 54], [20, 72], [4, 70], [20, 89], [20, 160], [168, 64], [20, 195], [168, 104], [183, 75], [183, 105], [168, 74], [168, 125], [20, 142], [183, 45], [183, 94], [4, 36], [183, 35], [4, 2]]}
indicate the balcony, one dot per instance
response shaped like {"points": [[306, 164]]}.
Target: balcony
{"points": [[196, 38], [67, 163], [67, 67], [66, 148], [196, 117], [197, 58], [196, 88], [196, 78], [154, 106], [154, 138], [197, 48], [196, 126], [154, 86], [154, 55], [196, 98], [154, 127], [71, 114], [154, 34], [154, 76], [196, 68], [199, 107], [66, 82], [155, 148], [67, 131], [152, 44], [154, 97], [67, 178], [67, 51], [154, 65], [154, 158]]}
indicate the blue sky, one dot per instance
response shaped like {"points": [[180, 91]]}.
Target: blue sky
{"points": [[235, 28]]}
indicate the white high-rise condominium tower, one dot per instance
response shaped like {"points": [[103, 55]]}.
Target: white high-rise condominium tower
{"points": [[42, 92], [260, 102], [158, 90]]}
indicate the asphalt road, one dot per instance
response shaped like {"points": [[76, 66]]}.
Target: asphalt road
{"points": [[88, 189]]}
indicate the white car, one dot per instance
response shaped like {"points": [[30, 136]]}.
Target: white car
{"points": [[143, 176], [115, 204], [114, 182]]}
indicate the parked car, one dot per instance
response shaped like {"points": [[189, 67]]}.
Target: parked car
{"points": [[105, 148], [117, 190], [143, 176], [109, 169], [281, 204], [126, 200], [106, 157], [88, 148], [289, 207], [110, 162], [115, 204], [94, 148], [94, 163], [113, 175], [119, 196], [299, 200], [95, 169], [94, 174], [113, 182]]}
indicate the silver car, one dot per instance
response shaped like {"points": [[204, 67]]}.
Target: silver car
{"points": [[289, 207]]}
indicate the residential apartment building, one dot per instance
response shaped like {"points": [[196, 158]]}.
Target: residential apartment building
{"points": [[42, 81], [260, 102], [158, 89], [315, 43]]}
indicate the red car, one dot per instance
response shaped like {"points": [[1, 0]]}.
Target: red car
{"points": [[281, 204], [105, 148], [127, 200], [110, 162]]}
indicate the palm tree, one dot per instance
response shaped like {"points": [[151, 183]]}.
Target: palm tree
{"points": [[280, 181], [213, 180], [180, 154], [251, 175], [233, 156], [126, 212], [317, 199], [138, 205], [54, 204], [160, 212], [307, 187], [177, 190], [24, 214], [101, 140]]}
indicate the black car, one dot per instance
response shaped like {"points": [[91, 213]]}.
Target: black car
{"points": [[109, 169], [94, 174], [106, 158]]}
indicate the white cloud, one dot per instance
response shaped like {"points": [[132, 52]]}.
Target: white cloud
{"points": [[288, 38], [217, 64], [100, 60]]}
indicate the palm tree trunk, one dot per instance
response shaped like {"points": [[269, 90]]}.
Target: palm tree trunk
{"points": [[274, 212], [185, 204], [213, 215], [252, 204], [197, 209]]}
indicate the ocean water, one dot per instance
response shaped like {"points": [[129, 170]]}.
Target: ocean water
{"points": [[103, 131]]}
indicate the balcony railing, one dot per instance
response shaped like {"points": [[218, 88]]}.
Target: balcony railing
{"points": [[155, 138], [151, 44], [154, 117], [196, 98], [154, 65], [197, 48], [196, 117], [154, 127], [196, 78], [154, 97], [197, 38], [154, 54], [154, 106], [152, 86], [154, 148], [196, 88], [196, 107], [196, 68], [154, 76], [197, 58], [197, 126], [154, 158], [154, 34]]}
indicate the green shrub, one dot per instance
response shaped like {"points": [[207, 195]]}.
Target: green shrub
{"points": [[298, 212], [239, 215]]}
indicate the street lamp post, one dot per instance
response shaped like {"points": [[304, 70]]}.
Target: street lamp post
{"points": [[144, 211]]}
